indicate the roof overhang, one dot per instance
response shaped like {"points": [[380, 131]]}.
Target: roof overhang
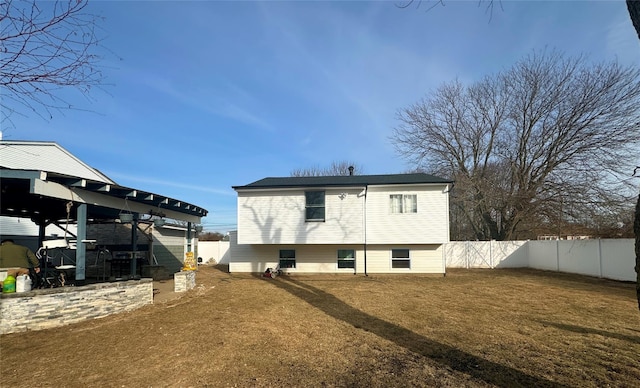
{"points": [[42, 196]]}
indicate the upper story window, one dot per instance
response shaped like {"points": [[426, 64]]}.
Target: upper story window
{"points": [[314, 206], [403, 203]]}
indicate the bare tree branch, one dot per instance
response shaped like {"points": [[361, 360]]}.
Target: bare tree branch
{"points": [[543, 143], [336, 169], [46, 47]]}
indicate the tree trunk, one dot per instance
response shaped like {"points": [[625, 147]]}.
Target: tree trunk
{"points": [[634, 13], [636, 231]]}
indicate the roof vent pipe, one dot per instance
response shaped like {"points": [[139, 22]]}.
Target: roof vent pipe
{"points": [[350, 170]]}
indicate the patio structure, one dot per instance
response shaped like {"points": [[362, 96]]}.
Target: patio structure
{"points": [[44, 183]]}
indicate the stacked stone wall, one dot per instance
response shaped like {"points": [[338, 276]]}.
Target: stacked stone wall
{"points": [[49, 308], [184, 281]]}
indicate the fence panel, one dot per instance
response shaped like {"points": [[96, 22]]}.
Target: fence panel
{"points": [[579, 256], [543, 255], [455, 254], [618, 259], [486, 254], [211, 251], [611, 258], [509, 254]]}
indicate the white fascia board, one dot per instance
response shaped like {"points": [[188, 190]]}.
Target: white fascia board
{"points": [[445, 185], [23, 174], [304, 188]]}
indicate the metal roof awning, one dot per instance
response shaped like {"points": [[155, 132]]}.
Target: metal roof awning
{"points": [[38, 195], [39, 179]]}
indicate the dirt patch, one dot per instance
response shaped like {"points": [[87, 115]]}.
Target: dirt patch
{"points": [[471, 328], [163, 291]]}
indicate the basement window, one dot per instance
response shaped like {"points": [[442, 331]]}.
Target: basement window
{"points": [[287, 258], [400, 259], [346, 258]]}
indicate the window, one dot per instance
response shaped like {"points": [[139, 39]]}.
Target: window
{"points": [[287, 258], [314, 206], [346, 258], [400, 258], [403, 203]]}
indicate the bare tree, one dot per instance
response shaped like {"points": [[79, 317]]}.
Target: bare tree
{"points": [[634, 11], [336, 169], [45, 46], [632, 5], [211, 236], [538, 143], [636, 231]]}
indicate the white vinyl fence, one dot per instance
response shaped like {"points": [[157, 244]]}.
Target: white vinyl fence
{"points": [[211, 251], [609, 258]]}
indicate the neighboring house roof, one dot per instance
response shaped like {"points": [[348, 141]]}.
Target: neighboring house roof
{"points": [[344, 181], [48, 157]]}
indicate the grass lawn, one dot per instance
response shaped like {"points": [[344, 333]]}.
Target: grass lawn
{"points": [[472, 328]]}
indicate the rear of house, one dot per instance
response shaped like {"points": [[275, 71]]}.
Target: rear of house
{"points": [[342, 224]]}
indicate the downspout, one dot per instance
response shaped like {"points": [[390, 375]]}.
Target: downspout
{"points": [[364, 215]]}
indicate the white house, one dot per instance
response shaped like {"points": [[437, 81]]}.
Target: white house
{"points": [[342, 224]]}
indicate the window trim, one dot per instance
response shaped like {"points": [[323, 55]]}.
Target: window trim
{"points": [[403, 203], [284, 262], [406, 260], [346, 260], [308, 206]]}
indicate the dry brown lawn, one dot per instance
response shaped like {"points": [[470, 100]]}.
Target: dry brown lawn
{"points": [[472, 328]]}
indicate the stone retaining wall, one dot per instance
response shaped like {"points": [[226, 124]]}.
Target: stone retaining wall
{"points": [[48, 308], [184, 281]]}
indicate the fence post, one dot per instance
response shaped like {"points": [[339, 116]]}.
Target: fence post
{"points": [[491, 254], [600, 255], [466, 253], [558, 254]]}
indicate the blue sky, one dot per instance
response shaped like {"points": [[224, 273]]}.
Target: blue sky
{"points": [[205, 95]]}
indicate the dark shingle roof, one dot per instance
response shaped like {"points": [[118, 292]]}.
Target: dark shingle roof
{"points": [[345, 180]]}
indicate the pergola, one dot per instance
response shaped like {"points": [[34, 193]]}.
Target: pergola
{"points": [[45, 183]]}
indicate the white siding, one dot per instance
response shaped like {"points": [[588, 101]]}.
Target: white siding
{"points": [[430, 225], [169, 236], [278, 217], [45, 156], [424, 259], [324, 258], [251, 258]]}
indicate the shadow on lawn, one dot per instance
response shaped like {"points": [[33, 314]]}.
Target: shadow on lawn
{"points": [[588, 330], [477, 367]]}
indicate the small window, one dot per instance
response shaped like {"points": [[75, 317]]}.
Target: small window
{"points": [[287, 258], [314, 206], [400, 259], [403, 203], [346, 258]]}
